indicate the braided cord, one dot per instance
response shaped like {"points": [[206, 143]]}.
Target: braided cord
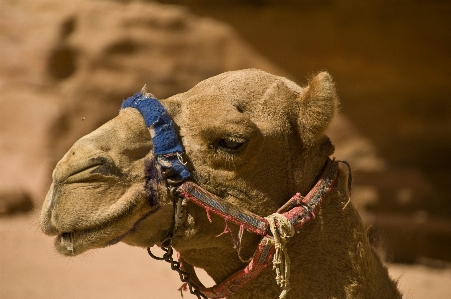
{"points": [[282, 229]]}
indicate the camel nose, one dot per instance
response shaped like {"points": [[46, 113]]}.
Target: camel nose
{"points": [[123, 139]]}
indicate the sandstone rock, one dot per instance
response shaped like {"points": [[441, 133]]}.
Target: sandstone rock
{"points": [[67, 66], [14, 201], [28, 121]]}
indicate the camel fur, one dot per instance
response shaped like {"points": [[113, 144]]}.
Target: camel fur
{"points": [[251, 138]]}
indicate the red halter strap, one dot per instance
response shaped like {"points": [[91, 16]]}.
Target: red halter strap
{"points": [[298, 210]]}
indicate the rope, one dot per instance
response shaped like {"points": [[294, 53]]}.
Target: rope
{"points": [[282, 231], [349, 181]]}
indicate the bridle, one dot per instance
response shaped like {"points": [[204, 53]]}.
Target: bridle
{"points": [[275, 229]]}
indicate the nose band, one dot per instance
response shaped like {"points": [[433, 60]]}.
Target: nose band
{"points": [[167, 148]]}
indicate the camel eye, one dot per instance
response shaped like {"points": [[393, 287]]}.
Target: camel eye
{"points": [[231, 145]]}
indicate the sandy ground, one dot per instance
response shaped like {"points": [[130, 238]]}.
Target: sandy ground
{"points": [[31, 268]]}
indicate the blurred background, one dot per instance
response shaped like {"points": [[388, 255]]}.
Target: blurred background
{"points": [[66, 66]]}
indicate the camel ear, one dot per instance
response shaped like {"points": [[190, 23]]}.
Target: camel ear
{"points": [[318, 103]]}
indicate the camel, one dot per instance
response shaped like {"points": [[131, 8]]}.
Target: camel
{"points": [[247, 141]]}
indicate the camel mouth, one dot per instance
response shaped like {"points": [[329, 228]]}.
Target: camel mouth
{"points": [[65, 241], [72, 243], [76, 242]]}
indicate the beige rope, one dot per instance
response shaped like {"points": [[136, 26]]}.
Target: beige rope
{"points": [[145, 93], [281, 260]]}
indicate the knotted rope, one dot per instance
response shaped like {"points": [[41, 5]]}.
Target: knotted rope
{"points": [[282, 231]]}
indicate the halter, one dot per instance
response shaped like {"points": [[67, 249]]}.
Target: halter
{"points": [[276, 229], [298, 210]]}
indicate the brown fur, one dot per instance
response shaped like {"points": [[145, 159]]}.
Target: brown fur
{"points": [[282, 127]]}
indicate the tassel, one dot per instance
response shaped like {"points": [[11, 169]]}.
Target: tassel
{"points": [[349, 181], [281, 260], [208, 214], [226, 229]]}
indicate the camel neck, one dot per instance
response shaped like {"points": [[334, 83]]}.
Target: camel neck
{"points": [[296, 212]]}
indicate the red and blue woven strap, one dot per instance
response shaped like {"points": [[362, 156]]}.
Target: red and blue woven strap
{"points": [[258, 263], [212, 203], [298, 210]]}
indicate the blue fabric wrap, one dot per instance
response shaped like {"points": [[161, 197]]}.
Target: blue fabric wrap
{"points": [[167, 148]]}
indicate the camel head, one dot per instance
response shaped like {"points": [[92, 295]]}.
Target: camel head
{"points": [[251, 138]]}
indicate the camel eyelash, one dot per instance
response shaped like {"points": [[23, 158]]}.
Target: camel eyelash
{"points": [[229, 145]]}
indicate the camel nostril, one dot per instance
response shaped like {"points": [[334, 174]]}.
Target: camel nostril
{"points": [[82, 174], [97, 166]]}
